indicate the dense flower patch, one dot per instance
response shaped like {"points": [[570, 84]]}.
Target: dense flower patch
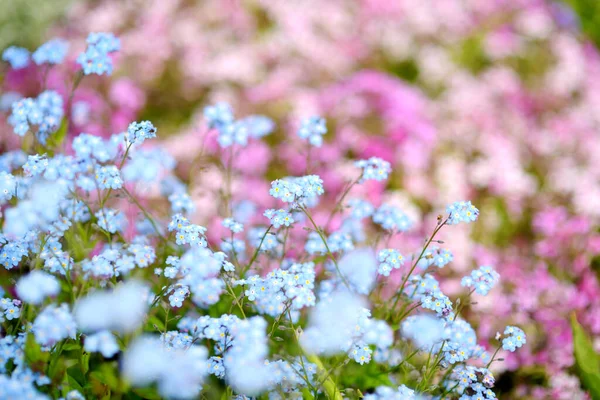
{"points": [[114, 288]]}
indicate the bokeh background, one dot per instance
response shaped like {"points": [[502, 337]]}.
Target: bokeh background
{"points": [[495, 101]]}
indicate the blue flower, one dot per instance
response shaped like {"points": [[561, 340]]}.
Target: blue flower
{"points": [[181, 202], [104, 42], [36, 286], [233, 133], [233, 225], [258, 126], [17, 57], [218, 115], [427, 290], [137, 132], [103, 342], [435, 256], [482, 280], [361, 353], [143, 254], [178, 295], [374, 168], [96, 58], [313, 129], [86, 146], [54, 324], [108, 177], [391, 218], [258, 234], [314, 244], [425, 330], [146, 165], [10, 308], [51, 52], [186, 232], [12, 253], [236, 246], [46, 112], [515, 338], [216, 367], [298, 191], [8, 186], [279, 217], [469, 379], [35, 165], [387, 393], [110, 220], [389, 259], [340, 242], [461, 211], [360, 208]]}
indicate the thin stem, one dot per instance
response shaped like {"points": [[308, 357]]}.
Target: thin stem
{"points": [[146, 214], [493, 356], [235, 298], [76, 83], [338, 205], [329, 253], [401, 290], [256, 252]]}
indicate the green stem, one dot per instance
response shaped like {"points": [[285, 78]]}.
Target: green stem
{"points": [[329, 385], [329, 253], [256, 252], [401, 290], [492, 359]]}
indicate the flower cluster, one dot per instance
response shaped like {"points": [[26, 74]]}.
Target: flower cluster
{"points": [[515, 337], [17, 57], [279, 217], [53, 325], [282, 290], [374, 169], [45, 112], [391, 218], [96, 58], [299, 192], [313, 129], [482, 280], [449, 115], [220, 117], [137, 132], [109, 251], [461, 211], [473, 383], [389, 259], [435, 256], [51, 52]]}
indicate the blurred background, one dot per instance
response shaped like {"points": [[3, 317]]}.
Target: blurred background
{"points": [[495, 101]]}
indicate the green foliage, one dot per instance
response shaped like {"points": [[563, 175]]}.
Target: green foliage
{"points": [[55, 140], [470, 54], [23, 21], [588, 362], [588, 12]]}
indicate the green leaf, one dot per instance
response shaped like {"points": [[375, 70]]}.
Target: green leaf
{"points": [[76, 373], [588, 362], [147, 393], [33, 351], [106, 375], [154, 321], [85, 362], [73, 384], [59, 136], [331, 389]]}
